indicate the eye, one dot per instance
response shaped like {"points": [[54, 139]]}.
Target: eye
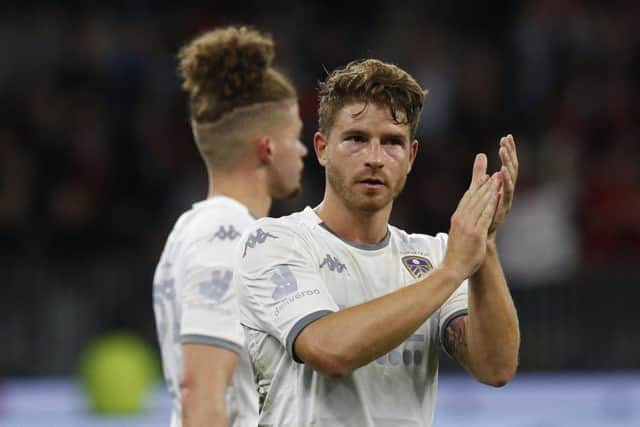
{"points": [[394, 141], [355, 138]]}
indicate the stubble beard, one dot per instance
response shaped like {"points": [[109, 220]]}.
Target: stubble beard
{"points": [[360, 202]]}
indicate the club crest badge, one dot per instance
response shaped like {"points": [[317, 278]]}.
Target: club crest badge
{"points": [[418, 266]]}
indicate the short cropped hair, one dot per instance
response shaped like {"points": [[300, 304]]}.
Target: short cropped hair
{"points": [[371, 81]]}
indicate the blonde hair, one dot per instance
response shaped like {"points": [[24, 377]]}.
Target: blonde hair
{"points": [[229, 77], [374, 81]]}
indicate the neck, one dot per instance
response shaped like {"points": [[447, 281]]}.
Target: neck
{"points": [[351, 224], [246, 187]]}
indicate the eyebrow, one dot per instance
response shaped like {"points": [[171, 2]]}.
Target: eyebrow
{"points": [[385, 135]]}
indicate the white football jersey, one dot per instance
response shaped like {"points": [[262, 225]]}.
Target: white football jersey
{"points": [[293, 270], [194, 300]]}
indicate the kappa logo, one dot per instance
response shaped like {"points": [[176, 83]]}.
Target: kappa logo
{"points": [[418, 266], [286, 283], [217, 286], [333, 264], [225, 233], [256, 239]]}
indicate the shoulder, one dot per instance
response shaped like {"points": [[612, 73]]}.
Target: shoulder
{"points": [[206, 234], [419, 240], [295, 225], [275, 237], [213, 221]]}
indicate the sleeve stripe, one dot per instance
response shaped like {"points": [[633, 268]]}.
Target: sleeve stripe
{"points": [[213, 341], [445, 325], [299, 326]]}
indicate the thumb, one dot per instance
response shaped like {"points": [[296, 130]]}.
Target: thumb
{"points": [[479, 170]]}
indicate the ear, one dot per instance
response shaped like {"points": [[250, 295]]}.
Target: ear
{"points": [[265, 149], [320, 146], [413, 152]]}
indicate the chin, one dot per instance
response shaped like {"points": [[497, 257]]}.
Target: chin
{"points": [[371, 205], [292, 193]]}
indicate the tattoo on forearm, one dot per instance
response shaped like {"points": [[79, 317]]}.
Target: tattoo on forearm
{"points": [[455, 338]]}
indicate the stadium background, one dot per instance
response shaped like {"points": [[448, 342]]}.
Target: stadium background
{"points": [[97, 161]]}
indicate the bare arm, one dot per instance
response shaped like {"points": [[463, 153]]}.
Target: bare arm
{"points": [[207, 371], [369, 330], [487, 341], [340, 342]]}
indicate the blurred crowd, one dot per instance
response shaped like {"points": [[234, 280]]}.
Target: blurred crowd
{"points": [[97, 159]]}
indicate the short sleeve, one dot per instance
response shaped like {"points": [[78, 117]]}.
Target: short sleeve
{"points": [[457, 304], [209, 307], [279, 286]]}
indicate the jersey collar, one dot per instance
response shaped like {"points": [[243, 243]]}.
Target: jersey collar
{"points": [[364, 246], [225, 201]]}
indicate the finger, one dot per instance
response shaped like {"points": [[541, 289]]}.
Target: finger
{"points": [[509, 159], [508, 186], [479, 202], [479, 170], [469, 197], [486, 217], [478, 177], [513, 153], [506, 159]]}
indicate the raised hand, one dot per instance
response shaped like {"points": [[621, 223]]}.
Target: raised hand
{"points": [[509, 176], [471, 221]]}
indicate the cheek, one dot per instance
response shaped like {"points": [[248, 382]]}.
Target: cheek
{"points": [[399, 158], [396, 153]]}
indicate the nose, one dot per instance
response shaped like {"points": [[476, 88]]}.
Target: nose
{"points": [[303, 149], [374, 155]]}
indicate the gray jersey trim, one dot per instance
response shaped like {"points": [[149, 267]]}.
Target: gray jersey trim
{"points": [[299, 326], [450, 319], [364, 246], [212, 341]]}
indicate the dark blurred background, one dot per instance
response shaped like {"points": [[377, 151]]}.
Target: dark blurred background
{"points": [[97, 159]]}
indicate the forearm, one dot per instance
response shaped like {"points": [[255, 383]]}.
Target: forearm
{"points": [[200, 409], [492, 330], [343, 341], [207, 371]]}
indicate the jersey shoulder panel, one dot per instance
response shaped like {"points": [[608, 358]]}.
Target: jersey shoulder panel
{"points": [[216, 221], [416, 241], [293, 226]]}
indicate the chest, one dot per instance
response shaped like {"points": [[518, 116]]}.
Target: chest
{"points": [[353, 275]]}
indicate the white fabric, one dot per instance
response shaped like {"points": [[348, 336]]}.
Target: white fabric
{"points": [[194, 299], [291, 271]]}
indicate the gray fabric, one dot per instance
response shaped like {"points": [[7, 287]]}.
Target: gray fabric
{"points": [[299, 326], [451, 317], [364, 246], [212, 341]]}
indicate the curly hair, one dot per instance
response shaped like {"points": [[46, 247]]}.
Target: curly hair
{"points": [[371, 80], [228, 68]]}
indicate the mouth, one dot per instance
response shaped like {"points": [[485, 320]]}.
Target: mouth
{"points": [[372, 182]]}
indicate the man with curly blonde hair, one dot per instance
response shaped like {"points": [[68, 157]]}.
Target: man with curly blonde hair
{"points": [[344, 313], [246, 126]]}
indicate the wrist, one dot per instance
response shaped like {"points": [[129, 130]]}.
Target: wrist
{"points": [[491, 244], [450, 274], [491, 236]]}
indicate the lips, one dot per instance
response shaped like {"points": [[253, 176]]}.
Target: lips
{"points": [[371, 181]]}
